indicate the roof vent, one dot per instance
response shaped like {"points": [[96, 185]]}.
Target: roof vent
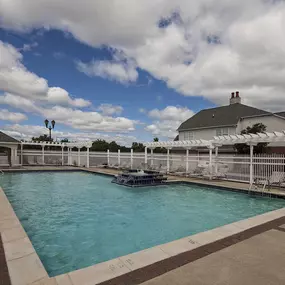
{"points": [[235, 98]]}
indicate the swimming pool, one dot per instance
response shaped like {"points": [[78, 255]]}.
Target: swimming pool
{"points": [[77, 219]]}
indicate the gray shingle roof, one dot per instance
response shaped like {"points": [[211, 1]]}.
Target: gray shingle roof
{"points": [[6, 138], [281, 114], [220, 116]]}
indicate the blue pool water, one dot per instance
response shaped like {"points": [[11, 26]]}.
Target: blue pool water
{"points": [[76, 219]]}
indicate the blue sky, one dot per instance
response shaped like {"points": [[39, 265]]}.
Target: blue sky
{"points": [[138, 73]]}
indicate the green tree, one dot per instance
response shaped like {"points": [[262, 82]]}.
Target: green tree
{"points": [[64, 140], [259, 148], [42, 138], [138, 147], [100, 145], [113, 146], [159, 149]]}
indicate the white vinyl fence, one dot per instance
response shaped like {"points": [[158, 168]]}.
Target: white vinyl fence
{"points": [[238, 166]]}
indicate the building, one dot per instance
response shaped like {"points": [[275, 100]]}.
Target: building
{"points": [[8, 150], [229, 120]]}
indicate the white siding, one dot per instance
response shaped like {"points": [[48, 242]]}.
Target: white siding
{"points": [[271, 122], [205, 134]]}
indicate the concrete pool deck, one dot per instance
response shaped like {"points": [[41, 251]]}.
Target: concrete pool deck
{"points": [[212, 257]]}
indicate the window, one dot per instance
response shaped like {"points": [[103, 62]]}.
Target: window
{"points": [[222, 132], [181, 136], [187, 136]]}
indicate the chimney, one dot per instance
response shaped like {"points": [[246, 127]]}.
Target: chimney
{"points": [[235, 98]]}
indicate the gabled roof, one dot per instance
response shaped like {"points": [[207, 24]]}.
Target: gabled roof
{"points": [[281, 114], [220, 116], [6, 138]]}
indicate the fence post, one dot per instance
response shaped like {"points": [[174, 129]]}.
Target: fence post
{"points": [[43, 153], [211, 161], [187, 158], [108, 157], [168, 162], [119, 157], [21, 154], [151, 155], [216, 159], [145, 156], [78, 160], [62, 157], [87, 158], [251, 165], [132, 153]]}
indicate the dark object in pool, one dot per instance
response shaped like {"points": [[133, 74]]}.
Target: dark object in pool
{"points": [[140, 178]]}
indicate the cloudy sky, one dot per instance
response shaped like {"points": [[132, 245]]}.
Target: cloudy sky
{"points": [[132, 70]]}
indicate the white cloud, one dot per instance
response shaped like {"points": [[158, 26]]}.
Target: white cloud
{"points": [[6, 115], [19, 102], [16, 79], [77, 119], [171, 113], [57, 95], [109, 109], [211, 48], [168, 120], [28, 47], [26, 132], [119, 69]]}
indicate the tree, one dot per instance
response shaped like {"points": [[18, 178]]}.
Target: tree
{"points": [[260, 147], [100, 145], [113, 146], [64, 140], [42, 138], [138, 147], [159, 149]]}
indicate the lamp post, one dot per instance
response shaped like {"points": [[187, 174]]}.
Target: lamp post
{"points": [[50, 127]]}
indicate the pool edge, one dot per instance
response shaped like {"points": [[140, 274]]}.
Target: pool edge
{"points": [[20, 253]]}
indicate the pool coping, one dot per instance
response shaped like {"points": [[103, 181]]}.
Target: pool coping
{"points": [[25, 267]]}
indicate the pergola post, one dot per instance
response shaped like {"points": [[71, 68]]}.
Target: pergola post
{"points": [[22, 154], [62, 155], [119, 157], [87, 158], [108, 157], [251, 165], [187, 158], [151, 156], [132, 154], [78, 160], [145, 156], [168, 160], [211, 161], [43, 153], [216, 159]]}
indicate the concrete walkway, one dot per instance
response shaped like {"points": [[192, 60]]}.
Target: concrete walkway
{"points": [[258, 260]]}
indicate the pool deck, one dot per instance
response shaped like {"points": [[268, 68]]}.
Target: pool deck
{"points": [[250, 251]]}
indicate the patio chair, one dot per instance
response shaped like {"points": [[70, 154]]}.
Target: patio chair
{"points": [[222, 171], [276, 179], [180, 171]]}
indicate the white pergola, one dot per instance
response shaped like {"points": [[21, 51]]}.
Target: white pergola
{"points": [[69, 145], [218, 141]]}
